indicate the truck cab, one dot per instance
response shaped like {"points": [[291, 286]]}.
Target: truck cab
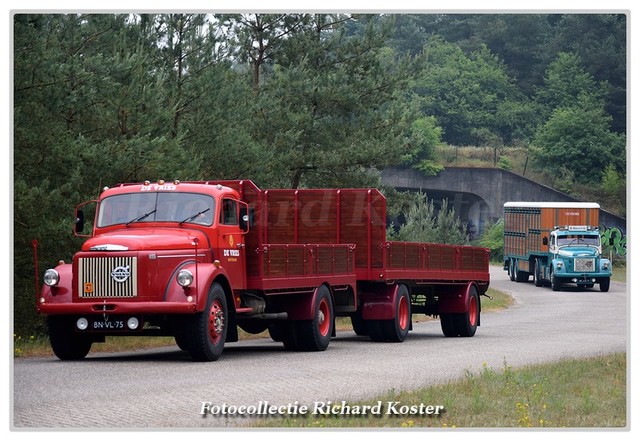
{"points": [[575, 256]]}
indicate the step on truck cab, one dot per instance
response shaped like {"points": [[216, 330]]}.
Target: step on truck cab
{"points": [[555, 242], [198, 260]]}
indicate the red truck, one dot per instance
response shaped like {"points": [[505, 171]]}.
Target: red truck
{"points": [[197, 260]]}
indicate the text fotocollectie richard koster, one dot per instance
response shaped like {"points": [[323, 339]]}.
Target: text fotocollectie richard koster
{"points": [[319, 408]]}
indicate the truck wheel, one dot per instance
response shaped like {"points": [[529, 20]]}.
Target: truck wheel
{"points": [[448, 325], [555, 282], [315, 334], [512, 271], [66, 343], [358, 324], [467, 322], [604, 285], [537, 280], [208, 329], [396, 330]]}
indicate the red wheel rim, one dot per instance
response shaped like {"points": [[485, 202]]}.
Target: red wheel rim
{"points": [[324, 317], [216, 321], [403, 313], [473, 310]]}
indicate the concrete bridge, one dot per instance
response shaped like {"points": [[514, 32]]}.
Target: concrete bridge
{"points": [[478, 194]]}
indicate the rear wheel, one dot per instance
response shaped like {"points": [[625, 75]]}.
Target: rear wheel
{"points": [[315, 334], [463, 324], [512, 271], [67, 344], [358, 324], [537, 280], [208, 330]]}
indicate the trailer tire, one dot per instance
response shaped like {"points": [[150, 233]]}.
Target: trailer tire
{"points": [[604, 285], [463, 324], [208, 329], [65, 342], [396, 329], [315, 334], [512, 274], [448, 325]]}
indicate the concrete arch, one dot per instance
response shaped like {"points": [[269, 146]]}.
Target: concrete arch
{"points": [[482, 192]]}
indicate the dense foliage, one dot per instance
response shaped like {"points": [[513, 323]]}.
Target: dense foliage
{"points": [[296, 100]]}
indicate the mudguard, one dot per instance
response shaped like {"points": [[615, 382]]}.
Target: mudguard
{"points": [[63, 291], [454, 298], [203, 276], [379, 302]]}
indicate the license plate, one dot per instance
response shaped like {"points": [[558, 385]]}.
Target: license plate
{"points": [[109, 324]]}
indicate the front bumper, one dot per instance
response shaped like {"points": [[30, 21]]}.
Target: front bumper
{"points": [[131, 308]]}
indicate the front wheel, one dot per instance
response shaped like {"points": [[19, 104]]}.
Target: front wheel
{"points": [[208, 330], [67, 344], [604, 285]]}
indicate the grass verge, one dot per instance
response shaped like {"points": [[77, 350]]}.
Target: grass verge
{"points": [[584, 393]]}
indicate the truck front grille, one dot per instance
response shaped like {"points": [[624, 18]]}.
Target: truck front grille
{"points": [[102, 277], [584, 265]]}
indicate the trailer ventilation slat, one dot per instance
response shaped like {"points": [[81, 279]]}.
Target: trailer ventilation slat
{"points": [[108, 277]]}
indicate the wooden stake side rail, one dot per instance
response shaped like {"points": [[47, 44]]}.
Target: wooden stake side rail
{"points": [[426, 262], [293, 266]]}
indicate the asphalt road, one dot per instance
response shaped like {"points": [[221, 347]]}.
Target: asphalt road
{"points": [[163, 388]]}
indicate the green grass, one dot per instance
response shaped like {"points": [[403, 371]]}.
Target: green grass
{"points": [[585, 393]]}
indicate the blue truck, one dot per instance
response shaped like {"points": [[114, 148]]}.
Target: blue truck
{"points": [[555, 242]]}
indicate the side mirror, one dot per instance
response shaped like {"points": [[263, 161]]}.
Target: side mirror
{"points": [[545, 241], [79, 221]]}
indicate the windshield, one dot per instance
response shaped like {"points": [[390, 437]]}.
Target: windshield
{"points": [[579, 239], [156, 207]]}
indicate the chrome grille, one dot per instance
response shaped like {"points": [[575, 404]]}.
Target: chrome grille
{"points": [[584, 265], [102, 277]]}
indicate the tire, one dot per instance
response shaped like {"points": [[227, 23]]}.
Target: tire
{"points": [[555, 282], [512, 275], [208, 329], [448, 325], [66, 343], [315, 334], [537, 281], [463, 324], [374, 329], [397, 329], [359, 325], [604, 285]]}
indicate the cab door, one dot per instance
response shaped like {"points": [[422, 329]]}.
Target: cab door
{"points": [[232, 251]]}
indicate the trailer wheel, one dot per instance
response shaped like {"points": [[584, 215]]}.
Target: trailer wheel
{"points": [[208, 329], [65, 342], [396, 330], [512, 274], [604, 285], [463, 324], [315, 334]]}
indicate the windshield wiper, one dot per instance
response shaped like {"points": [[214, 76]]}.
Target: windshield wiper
{"points": [[143, 217], [194, 216]]}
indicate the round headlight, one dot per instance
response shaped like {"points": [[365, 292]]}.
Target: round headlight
{"points": [[184, 278], [51, 277]]}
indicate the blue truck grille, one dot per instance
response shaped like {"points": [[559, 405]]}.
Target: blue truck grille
{"points": [[584, 265]]}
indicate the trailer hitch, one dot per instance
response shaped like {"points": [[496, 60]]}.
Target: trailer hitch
{"points": [[487, 295]]}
